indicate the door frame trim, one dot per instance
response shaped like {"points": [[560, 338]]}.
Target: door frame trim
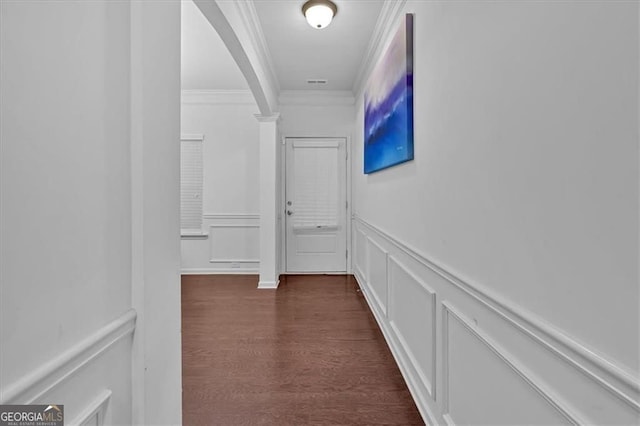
{"points": [[283, 192]]}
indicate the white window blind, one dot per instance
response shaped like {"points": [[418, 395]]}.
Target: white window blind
{"points": [[316, 185], [191, 185]]}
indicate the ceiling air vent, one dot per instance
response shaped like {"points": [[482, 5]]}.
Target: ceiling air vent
{"points": [[316, 81]]}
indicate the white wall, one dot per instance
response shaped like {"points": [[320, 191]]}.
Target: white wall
{"points": [[308, 114], [513, 235], [65, 195], [231, 187], [89, 209]]}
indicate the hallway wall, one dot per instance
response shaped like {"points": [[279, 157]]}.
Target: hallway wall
{"points": [[66, 200], [89, 209], [510, 244], [230, 188]]}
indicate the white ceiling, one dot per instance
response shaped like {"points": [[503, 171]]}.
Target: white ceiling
{"points": [[298, 52]]}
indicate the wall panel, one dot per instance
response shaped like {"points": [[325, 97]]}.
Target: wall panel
{"points": [[470, 358]]}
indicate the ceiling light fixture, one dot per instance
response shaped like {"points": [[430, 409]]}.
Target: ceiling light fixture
{"points": [[319, 13]]}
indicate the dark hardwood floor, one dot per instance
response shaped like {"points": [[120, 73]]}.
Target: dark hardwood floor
{"points": [[309, 353]]}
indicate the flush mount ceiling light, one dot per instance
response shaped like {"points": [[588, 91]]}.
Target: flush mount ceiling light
{"points": [[319, 13]]}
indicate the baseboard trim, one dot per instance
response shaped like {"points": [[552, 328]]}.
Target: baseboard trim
{"points": [[44, 378], [220, 271], [419, 398], [268, 285]]}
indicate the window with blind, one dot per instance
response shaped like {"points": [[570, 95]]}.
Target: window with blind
{"points": [[191, 185]]}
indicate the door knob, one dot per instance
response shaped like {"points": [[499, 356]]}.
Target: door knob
{"points": [[289, 212]]}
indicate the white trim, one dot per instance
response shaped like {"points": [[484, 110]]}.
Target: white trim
{"points": [[389, 14], [268, 118], [251, 21], [316, 97], [509, 361], [217, 97], [192, 137], [382, 306], [97, 408], [231, 216], [264, 94], [268, 285], [234, 260], [234, 225], [137, 199], [622, 384], [220, 271], [44, 378]]}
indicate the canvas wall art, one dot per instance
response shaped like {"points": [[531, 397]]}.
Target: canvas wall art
{"points": [[388, 104]]}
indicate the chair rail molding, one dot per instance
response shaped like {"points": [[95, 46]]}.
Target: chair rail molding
{"points": [[67, 364]]}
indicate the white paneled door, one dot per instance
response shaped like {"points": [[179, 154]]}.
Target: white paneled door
{"points": [[316, 205]]}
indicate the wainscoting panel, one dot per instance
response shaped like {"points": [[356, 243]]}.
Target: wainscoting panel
{"points": [[377, 273], [92, 379], [488, 387], [409, 296], [360, 258], [231, 246], [471, 358]]}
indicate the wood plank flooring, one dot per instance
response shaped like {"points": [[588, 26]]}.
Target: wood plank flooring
{"points": [[309, 353]]}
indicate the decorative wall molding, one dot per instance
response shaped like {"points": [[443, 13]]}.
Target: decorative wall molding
{"points": [[621, 383], [230, 249], [448, 313], [418, 391], [389, 14], [251, 21], [316, 97], [234, 225], [230, 216], [371, 263], [217, 97], [427, 378], [94, 413], [581, 368], [265, 95], [67, 364]]}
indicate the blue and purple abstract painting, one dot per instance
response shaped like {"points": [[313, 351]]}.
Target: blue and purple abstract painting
{"points": [[388, 104]]}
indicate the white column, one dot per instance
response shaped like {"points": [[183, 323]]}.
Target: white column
{"points": [[269, 274]]}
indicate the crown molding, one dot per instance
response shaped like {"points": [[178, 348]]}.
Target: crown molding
{"points": [[217, 97], [251, 21], [316, 97], [389, 14]]}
